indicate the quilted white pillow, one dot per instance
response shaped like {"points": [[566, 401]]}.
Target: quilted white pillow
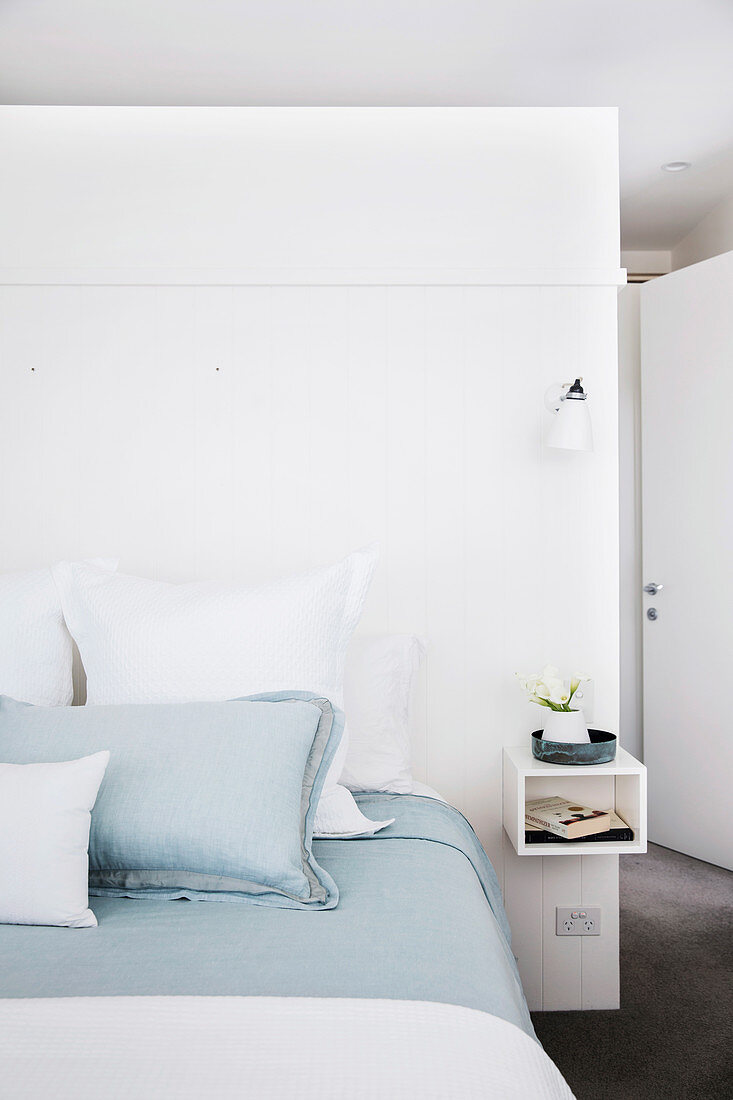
{"points": [[378, 689], [144, 641], [45, 815], [35, 647]]}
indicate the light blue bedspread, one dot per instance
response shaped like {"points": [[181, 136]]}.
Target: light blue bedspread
{"points": [[419, 918]]}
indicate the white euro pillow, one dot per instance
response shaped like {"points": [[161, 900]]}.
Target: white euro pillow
{"points": [[36, 650], [378, 689], [35, 647], [145, 641], [45, 816]]}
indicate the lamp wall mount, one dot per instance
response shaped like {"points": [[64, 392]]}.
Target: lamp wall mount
{"points": [[571, 427]]}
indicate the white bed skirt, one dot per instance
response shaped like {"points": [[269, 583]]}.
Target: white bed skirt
{"points": [[264, 1047]]}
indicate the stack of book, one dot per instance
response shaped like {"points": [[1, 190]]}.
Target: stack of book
{"points": [[554, 819]]}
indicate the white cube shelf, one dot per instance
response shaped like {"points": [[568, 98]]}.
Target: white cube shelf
{"points": [[619, 786]]}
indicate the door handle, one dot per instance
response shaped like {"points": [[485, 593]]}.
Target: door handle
{"points": [[652, 588]]}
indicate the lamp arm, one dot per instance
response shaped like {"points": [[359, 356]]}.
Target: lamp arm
{"points": [[555, 396]]}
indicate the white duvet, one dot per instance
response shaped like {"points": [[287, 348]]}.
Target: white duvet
{"points": [[181, 1047]]}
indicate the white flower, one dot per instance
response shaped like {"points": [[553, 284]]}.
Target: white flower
{"points": [[548, 689]]}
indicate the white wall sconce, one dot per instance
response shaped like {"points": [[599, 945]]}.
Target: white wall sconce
{"points": [[571, 427]]}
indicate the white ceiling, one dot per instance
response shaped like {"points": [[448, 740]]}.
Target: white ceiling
{"points": [[668, 65]]}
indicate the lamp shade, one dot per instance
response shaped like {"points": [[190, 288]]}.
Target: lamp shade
{"points": [[571, 427]]}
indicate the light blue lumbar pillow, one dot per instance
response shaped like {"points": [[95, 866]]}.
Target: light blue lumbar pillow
{"points": [[206, 801]]}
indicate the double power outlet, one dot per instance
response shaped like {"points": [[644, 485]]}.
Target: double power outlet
{"points": [[583, 920]]}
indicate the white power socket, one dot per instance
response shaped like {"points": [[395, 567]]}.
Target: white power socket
{"points": [[581, 920]]}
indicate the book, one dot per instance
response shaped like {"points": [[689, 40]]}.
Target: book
{"points": [[619, 831], [566, 819]]}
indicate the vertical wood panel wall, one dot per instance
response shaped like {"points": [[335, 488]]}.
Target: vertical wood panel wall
{"points": [[239, 432], [241, 429]]}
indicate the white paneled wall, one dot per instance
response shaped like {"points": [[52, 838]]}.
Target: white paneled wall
{"points": [[247, 431], [238, 342]]}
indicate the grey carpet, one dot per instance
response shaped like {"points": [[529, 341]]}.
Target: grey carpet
{"points": [[673, 1036]]}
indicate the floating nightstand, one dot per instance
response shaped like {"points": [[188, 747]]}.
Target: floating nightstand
{"points": [[619, 785]]}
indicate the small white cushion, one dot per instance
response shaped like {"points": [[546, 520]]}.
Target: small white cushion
{"points": [[35, 647], [378, 688], [45, 815], [144, 641]]}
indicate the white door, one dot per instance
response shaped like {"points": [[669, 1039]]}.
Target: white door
{"points": [[687, 478]]}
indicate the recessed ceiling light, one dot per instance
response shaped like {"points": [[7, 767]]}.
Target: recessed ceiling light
{"points": [[676, 166]]}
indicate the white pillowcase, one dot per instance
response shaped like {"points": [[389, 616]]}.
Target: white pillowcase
{"points": [[45, 816], [425, 791], [35, 647], [144, 641], [378, 688]]}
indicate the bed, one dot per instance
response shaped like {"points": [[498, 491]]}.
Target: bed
{"points": [[192, 903], [408, 987]]}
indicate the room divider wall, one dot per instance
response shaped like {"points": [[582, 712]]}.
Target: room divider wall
{"points": [[237, 342]]}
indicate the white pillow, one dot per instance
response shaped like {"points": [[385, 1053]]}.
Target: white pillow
{"points": [[45, 815], [36, 650], [144, 641], [425, 791], [35, 647], [378, 687]]}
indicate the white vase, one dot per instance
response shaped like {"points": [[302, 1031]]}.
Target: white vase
{"points": [[566, 726]]}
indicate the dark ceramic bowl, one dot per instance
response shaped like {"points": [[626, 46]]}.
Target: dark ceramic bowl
{"points": [[601, 750]]}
